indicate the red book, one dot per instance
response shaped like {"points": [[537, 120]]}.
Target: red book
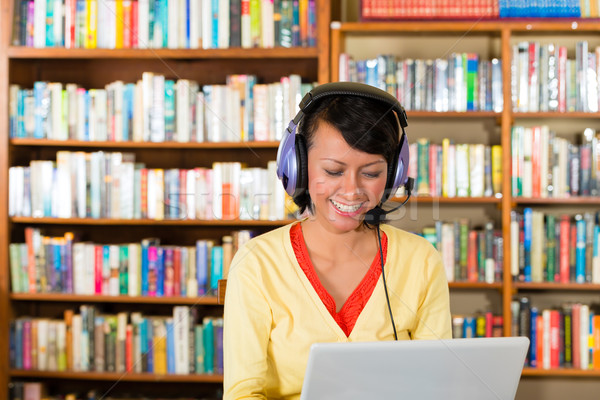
{"points": [[536, 151], [576, 336], [596, 348], [539, 353], [472, 275], [127, 5], [177, 271], [564, 249], [488, 324], [562, 79], [129, 348], [134, 24], [98, 263], [29, 234], [498, 323], [554, 339]]}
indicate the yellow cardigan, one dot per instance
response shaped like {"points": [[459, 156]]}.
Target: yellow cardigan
{"points": [[273, 315]]}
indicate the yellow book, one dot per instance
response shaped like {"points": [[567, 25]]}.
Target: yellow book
{"points": [[445, 147], [91, 24], [497, 168], [160, 346], [119, 24]]}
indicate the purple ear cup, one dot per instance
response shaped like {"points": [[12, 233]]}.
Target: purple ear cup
{"points": [[402, 167], [287, 164]]}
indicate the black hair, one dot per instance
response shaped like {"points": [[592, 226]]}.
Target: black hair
{"points": [[366, 125]]}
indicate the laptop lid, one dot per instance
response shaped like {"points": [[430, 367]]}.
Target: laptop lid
{"points": [[455, 369]]}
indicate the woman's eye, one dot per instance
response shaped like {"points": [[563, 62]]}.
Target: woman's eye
{"points": [[333, 173], [372, 174]]}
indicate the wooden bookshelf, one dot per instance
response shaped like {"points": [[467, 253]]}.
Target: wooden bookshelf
{"points": [[475, 285], [552, 286], [579, 200], [117, 376], [94, 68], [561, 372], [143, 222], [76, 298]]}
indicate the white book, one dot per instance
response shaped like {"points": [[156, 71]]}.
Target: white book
{"points": [[118, 90], [51, 355], [143, 24], [54, 126], [69, 22], [159, 179], [596, 258], [279, 121], [533, 78], [76, 325], [546, 337], [477, 167], [137, 134], [184, 22], [101, 133], [192, 283], [111, 25], [195, 19], [246, 31], [277, 200], [16, 191], [206, 25], [234, 112], [133, 269], [81, 112], [126, 181], [544, 159], [462, 170], [147, 104], [200, 134], [104, 20], [190, 194], [79, 268], [514, 244], [217, 191], [113, 262], [80, 160], [266, 22], [181, 324], [584, 318], [42, 344], [448, 250], [63, 180], [152, 189], [173, 24], [157, 116], [223, 37], [39, 23], [526, 172], [137, 320], [183, 110], [522, 72], [592, 82]]}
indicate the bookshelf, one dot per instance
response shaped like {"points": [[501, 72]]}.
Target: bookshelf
{"points": [[95, 68], [489, 38]]}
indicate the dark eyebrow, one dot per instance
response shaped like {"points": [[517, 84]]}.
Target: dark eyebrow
{"points": [[344, 164]]}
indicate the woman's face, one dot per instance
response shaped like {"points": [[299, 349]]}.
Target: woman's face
{"points": [[343, 183]]}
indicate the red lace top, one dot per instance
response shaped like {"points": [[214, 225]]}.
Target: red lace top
{"points": [[353, 306]]}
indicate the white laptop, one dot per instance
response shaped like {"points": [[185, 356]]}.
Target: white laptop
{"points": [[455, 369]]}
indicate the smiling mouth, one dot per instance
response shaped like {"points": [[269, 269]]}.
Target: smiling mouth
{"points": [[346, 208]]}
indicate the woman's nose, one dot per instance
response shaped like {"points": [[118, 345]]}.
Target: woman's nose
{"points": [[351, 184]]}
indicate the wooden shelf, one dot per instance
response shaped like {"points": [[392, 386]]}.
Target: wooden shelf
{"points": [[587, 200], [556, 286], [557, 115], [461, 27], [452, 114], [474, 285], [169, 54], [563, 372], [142, 222], [449, 200], [144, 145], [77, 298], [117, 376]]}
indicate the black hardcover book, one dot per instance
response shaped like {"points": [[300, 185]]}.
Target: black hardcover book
{"points": [[235, 23]]}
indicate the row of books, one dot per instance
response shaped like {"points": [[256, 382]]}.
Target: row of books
{"points": [[455, 170], [543, 78], [567, 336], [32, 390], [551, 248], [65, 264], [187, 24], [156, 109], [122, 342], [433, 9], [113, 185], [462, 82], [468, 254], [480, 9], [545, 165], [478, 325]]}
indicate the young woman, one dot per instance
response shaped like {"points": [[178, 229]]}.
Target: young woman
{"points": [[320, 279]]}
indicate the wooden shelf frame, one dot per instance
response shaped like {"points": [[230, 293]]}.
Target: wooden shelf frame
{"points": [[144, 222], [78, 298], [26, 142], [117, 376]]}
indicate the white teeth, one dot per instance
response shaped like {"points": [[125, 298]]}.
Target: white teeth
{"points": [[345, 208]]}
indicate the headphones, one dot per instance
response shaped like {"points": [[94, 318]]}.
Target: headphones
{"points": [[292, 159]]}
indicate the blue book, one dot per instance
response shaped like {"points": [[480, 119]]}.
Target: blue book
{"points": [[50, 23], [201, 266], [58, 284], [215, 24], [188, 27], [533, 338], [216, 268], [249, 104], [86, 117], [144, 267], [209, 346], [596, 242], [527, 227], [41, 103], [170, 130], [580, 250], [164, 19], [469, 327], [19, 120], [150, 344], [371, 72], [105, 268], [160, 271], [144, 343], [152, 6], [128, 106], [170, 346]]}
